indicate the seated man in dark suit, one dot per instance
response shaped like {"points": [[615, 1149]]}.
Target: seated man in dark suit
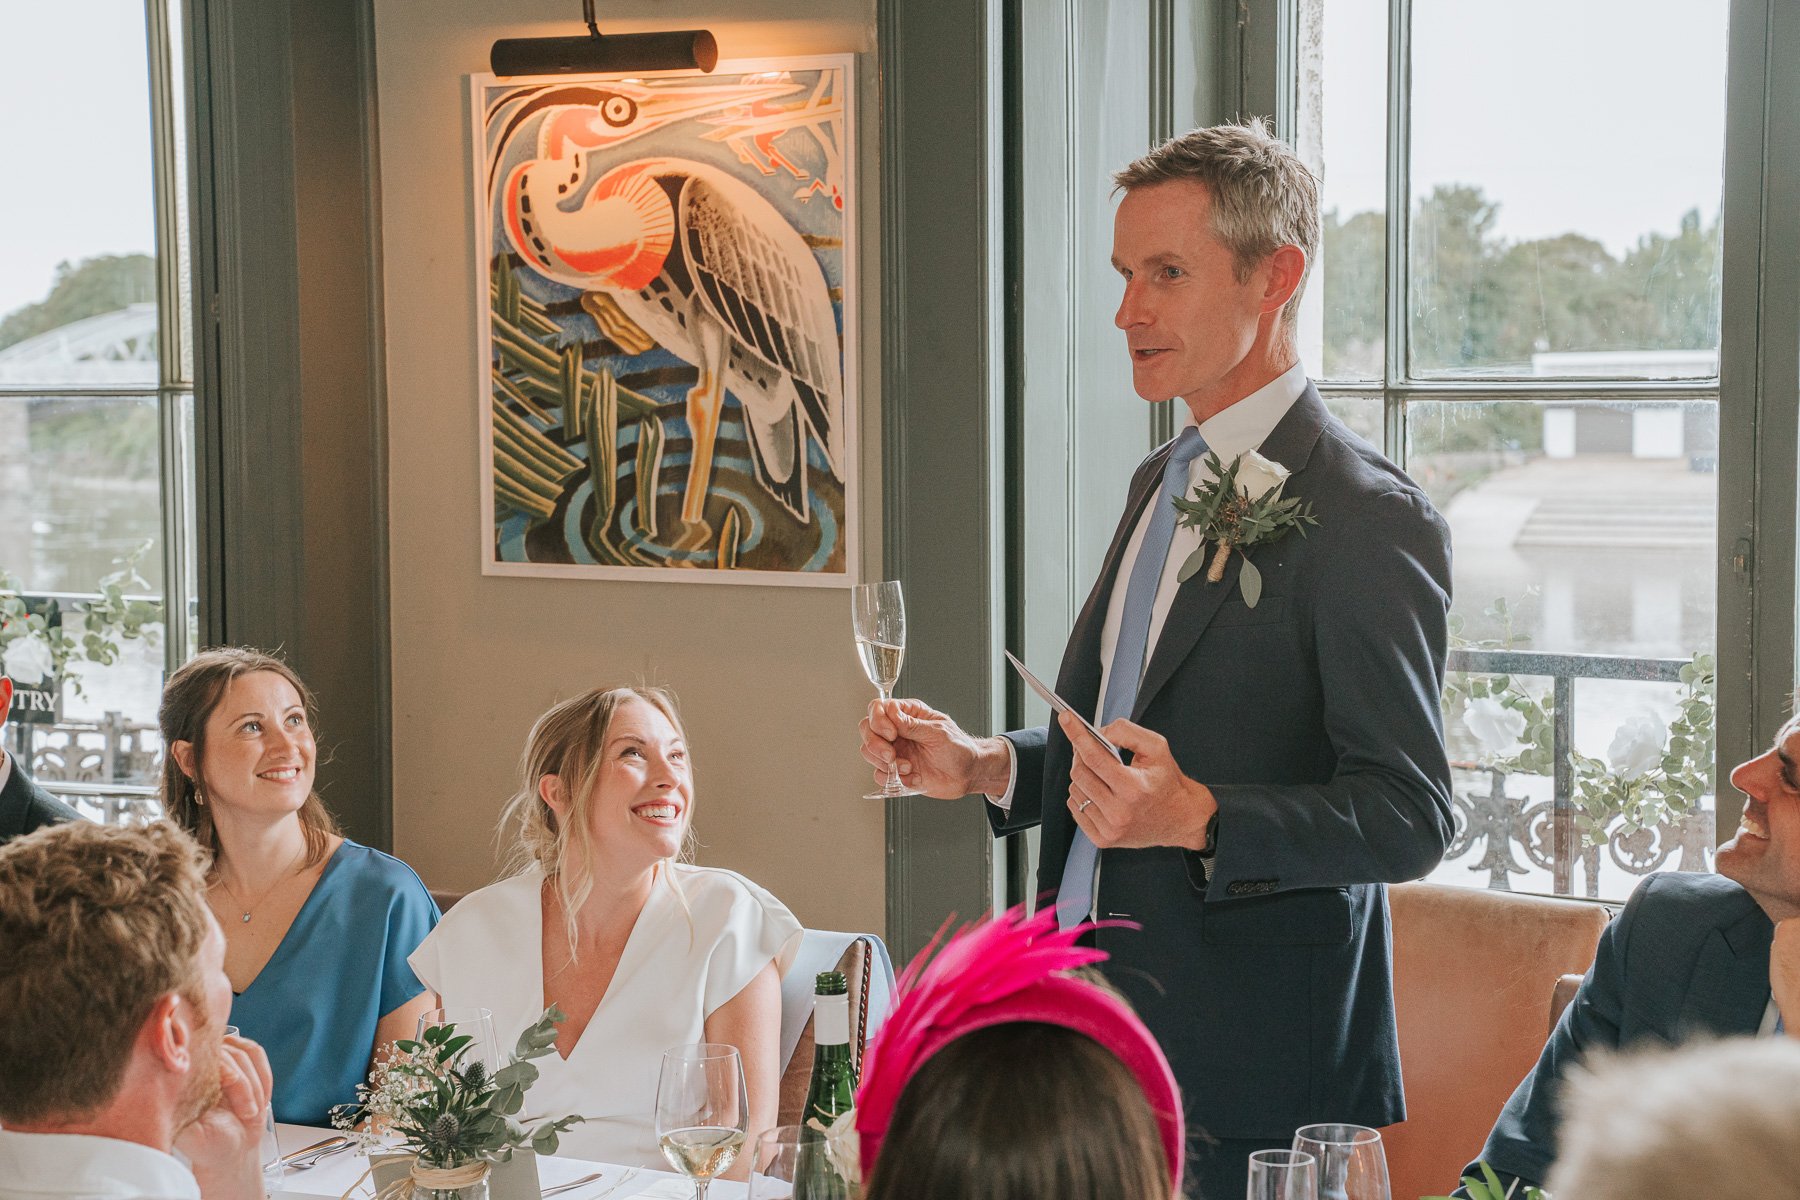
{"points": [[24, 806], [1691, 956]]}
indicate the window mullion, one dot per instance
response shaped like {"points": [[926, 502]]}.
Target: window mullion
{"points": [[1396, 222]]}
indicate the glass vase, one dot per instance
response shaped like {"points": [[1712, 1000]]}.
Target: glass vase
{"points": [[454, 1183]]}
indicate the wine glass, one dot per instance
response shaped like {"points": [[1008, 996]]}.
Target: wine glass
{"points": [[1282, 1175], [792, 1160], [475, 1023], [878, 618], [1352, 1164], [702, 1110]]}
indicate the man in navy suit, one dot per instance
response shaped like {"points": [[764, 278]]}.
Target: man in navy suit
{"points": [[1286, 757], [24, 806], [1691, 956]]}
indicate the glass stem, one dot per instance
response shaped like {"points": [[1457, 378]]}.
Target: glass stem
{"points": [[892, 783]]}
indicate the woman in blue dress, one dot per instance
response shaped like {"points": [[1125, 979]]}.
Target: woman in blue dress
{"points": [[317, 927]]}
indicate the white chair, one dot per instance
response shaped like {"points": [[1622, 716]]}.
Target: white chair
{"points": [[863, 959]]}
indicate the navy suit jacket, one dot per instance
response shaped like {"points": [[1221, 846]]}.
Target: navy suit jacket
{"points": [[1688, 956], [1314, 719], [24, 806]]}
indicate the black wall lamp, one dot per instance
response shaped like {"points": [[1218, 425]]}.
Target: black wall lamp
{"points": [[674, 50]]}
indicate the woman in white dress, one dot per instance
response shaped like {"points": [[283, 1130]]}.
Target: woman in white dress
{"points": [[640, 951]]}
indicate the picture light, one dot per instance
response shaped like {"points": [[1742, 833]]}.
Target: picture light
{"points": [[671, 50]]}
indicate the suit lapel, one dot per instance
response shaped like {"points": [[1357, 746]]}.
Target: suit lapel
{"points": [[1197, 601], [1078, 682], [1730, 985]]}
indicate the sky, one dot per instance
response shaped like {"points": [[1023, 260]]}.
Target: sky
{"points": [[82, 133], [1602, 117]]}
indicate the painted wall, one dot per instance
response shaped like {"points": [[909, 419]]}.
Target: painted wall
{"points": [[766, 676]]}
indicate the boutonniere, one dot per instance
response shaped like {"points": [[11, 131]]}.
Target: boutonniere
{"points": [[1241, 507]]}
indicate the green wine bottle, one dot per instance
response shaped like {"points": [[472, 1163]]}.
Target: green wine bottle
{"points": [[830, 1094]]}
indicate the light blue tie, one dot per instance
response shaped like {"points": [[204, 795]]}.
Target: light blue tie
{"points": [[1075, 896]]}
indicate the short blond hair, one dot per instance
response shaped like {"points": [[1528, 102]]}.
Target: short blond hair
{"points": [[1719, 1120], [1263, 196], [568, 742], [98, 924]]}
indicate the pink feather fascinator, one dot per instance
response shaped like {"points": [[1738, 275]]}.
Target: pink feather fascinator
{"points": [[1013, 968]]}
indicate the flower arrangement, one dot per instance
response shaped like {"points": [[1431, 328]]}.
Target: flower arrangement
{"points": [[1488, 1188], [1653, 774], [35, 647], [1240, 507], [449, 1112]]}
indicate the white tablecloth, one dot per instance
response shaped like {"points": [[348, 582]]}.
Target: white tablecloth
{"points": [[335, 1175]]}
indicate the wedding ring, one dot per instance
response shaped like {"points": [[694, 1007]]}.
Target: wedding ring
{"points": [[1083, 806]]}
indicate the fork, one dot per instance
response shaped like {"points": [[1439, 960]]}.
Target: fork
{"points": [[627, 1177], [307, 1161]]}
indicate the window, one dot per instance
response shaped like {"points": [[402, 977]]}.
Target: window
{"points": [[96, 403], [1518, 297]]}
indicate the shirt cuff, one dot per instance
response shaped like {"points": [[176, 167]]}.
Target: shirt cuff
{"points": [[1003, 802]]}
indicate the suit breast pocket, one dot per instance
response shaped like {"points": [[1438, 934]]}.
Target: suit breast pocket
{"points": [[1235, 614], [1314, 917]]}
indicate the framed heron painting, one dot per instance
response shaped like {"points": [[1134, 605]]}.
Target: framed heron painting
{"points": [[668, 323]]}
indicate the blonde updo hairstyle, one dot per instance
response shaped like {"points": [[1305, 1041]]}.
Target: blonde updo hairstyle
{"points": [[569, 742], [188, 701]]}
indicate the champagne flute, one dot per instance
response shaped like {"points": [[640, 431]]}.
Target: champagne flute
{"points": [[1352, 1164], [702, 1110], [1282, 1175], [878, 618]]}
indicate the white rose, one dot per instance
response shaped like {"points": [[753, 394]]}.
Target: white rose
{"points": [[1636, 747], [1257, 475], [1496, 726], [27, 659]]}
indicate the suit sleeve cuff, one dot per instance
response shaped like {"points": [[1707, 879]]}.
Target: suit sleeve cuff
{"points": [[1004, 800]]}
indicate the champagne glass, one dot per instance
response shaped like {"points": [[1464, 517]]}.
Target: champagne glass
{"points": [[702, 1110], [476, 1023], [878, 618], [1282, 1175], [1352, 1163]]}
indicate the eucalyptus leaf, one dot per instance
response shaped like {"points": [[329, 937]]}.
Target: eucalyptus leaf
{"points": [[1250, 583], [1194, 564]]}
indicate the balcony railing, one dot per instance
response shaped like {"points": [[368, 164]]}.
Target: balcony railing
{"points": [[1492, 823]]}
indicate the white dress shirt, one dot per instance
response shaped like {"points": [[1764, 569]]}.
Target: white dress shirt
{"points": [[5, 769], [72, 1166], [1236, 430]]}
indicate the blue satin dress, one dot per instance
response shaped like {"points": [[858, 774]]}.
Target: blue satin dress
{"points": [[339, 969]]}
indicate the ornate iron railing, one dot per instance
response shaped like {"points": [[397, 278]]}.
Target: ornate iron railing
{"points": [[1491, 821]]}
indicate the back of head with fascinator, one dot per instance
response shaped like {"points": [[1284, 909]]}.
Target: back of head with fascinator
{"points": [[1002, 1073]]}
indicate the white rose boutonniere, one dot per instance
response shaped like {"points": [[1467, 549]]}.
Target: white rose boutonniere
{"points": [[1241, 507]]}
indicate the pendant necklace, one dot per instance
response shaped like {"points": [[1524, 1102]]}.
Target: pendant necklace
{"points": [[248, 909]]}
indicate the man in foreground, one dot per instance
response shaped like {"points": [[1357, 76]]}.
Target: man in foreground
{"points": [[1281, 717], [112, 1050], [1692, 956]]}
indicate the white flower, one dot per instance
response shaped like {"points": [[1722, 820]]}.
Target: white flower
{"points": [[1636, 747], [1257, 475], [1496, 726], [27, 659]]}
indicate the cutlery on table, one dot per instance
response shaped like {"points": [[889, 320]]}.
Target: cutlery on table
{"points": [[334, 1140], [624, 1179], [311, 1159]]}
